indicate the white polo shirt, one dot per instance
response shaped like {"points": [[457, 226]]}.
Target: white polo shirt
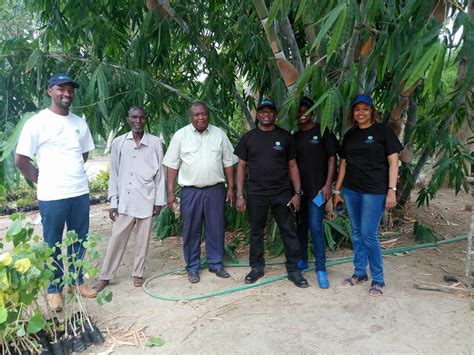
{"points": [[58, 143]]}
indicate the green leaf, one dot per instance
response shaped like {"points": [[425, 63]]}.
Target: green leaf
{"points": [[21, 332], [14, 228], [329, 236], [335, 39], [274, 8], [10, 144], [331, 18], [3, 315], [424, 234], [33, 59], [337, 227], [326, 117], [419, 69], [304, 78], [302, 8], [387, 57], [155, 341], [433, 80], [36, 323]]}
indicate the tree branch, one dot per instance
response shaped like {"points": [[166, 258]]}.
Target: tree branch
{"points": [[151, 4]]}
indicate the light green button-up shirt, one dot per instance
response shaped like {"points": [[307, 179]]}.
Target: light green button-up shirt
{"points": [[200, 158]]}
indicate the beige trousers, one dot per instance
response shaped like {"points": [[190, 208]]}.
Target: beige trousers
{"points": [[121, 230]]}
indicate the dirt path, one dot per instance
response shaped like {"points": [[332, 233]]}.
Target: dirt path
{"points": [[280, 318]]}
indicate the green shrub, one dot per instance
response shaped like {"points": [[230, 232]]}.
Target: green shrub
{"points": [[100, 183]]}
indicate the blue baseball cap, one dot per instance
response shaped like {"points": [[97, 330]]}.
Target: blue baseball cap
{"points": [[266, 103], [362, 98], [59, 79]]}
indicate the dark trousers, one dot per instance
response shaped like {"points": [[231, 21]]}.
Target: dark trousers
{"points": [[203, 205], [74, 213], [257, 207]]}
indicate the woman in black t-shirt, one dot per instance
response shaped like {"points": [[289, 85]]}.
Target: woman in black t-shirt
{"points": [[368, 172], [316, 158]]}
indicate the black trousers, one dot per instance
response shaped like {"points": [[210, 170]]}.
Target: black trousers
{"points": [[257, 206]]}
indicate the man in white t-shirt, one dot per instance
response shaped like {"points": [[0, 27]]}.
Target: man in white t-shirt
{"points": [[61, 142]]}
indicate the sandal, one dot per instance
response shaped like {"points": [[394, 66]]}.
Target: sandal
{"points": [[375, 289], [137, 281], [354, 280]]}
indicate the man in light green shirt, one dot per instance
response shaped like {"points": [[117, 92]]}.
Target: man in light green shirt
{"points": [[201, 156]]}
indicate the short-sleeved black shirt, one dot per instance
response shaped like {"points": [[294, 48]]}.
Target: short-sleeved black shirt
{"points": [[267, 155], [312, 153], [366, 151]]}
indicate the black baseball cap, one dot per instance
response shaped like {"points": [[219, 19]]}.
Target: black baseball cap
{"points": [[307, 102], [59, 79], [266, 103]]}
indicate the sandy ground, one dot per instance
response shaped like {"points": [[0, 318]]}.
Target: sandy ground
{"points": [[280, 318]]}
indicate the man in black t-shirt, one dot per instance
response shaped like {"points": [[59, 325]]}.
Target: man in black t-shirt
{"points": [[269, 153], [316, 158]]}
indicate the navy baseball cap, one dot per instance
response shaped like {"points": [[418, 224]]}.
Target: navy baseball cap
{"points": [[59, 79], [266, 103], [362, 98]]}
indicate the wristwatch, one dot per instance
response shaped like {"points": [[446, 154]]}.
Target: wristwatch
{"points": [[392, 188], [299, 192]]}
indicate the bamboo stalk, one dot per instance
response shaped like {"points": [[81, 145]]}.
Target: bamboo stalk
{"points": [[287, 71], [467, 262], [291, 40]]}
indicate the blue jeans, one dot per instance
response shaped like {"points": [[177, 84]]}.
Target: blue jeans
{"points": [[311, 216], [365, 211], [74, 212]]}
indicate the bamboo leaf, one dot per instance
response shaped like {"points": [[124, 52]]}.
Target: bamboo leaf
{"points": [[433, 79], [10, 144], [337, 227], [102, 85], [335, 39], [303, 79], [326, 117], [91, 87], [329, 236], [387, 58], [422, 65], [302, 8], [272, 13], [34, 57], [331, 18]]}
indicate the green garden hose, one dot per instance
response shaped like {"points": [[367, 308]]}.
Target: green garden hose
{"points": [[330, 262]]}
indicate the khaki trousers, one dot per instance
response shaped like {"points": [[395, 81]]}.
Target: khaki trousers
{"points": [[121, 230]]}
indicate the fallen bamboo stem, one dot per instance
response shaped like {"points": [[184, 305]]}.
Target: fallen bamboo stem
{"points": [[427, 286]]}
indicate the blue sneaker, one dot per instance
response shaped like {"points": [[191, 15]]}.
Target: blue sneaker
{"points": [[302, 265], [322, 279]]}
